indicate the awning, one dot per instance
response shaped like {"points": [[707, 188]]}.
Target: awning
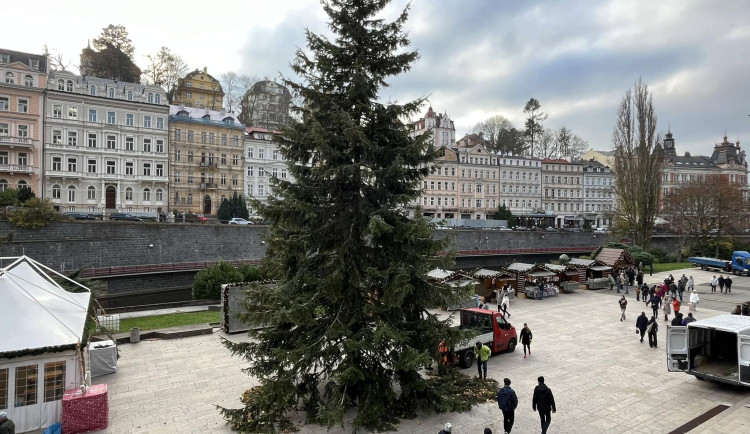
{"points": [[575, 219], [601, 267], [541, 274]]}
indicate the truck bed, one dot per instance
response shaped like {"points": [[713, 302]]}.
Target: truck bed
{"points": [[709, 262], [469, 343]]}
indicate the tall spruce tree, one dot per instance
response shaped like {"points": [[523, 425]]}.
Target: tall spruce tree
{"points": [[347, 324]]}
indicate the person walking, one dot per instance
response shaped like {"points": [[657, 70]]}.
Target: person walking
{"points": [[447, 429], [483, 354], [688, 320], [655, 303], [681, 289], [640, 325], [526, 339], [694, 299], [666, 307], [639, 278], [690, 284], [6, 425], [651, 268], [619, 283], [623, 306], [728, 284], [506, 302], [543, 402], [507, 401], [713, 282], [541, 289], [652, 328], [676, 306], [673, 289], [644, 293], [638, 292], [611, 282], [721, 283]]}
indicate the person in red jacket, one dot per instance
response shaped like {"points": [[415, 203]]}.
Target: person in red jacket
{"points": [[676, 305]]}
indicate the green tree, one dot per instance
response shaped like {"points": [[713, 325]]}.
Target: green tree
{"points": [[533, 126], [638, 162], [224, 212], [208, 281], [348, 323], [504, 213], [34, 214], [111, 57]]}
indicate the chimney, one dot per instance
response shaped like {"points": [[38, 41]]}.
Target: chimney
{"points": [[204, 70]]}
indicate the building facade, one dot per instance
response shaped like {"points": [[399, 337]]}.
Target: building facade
{"points": [[106, 145], [198, 89], [563, 191], [266, 105], [23, 81], [206, 161], [441, 128], [262, 162], [598, 194], [520, 185]]}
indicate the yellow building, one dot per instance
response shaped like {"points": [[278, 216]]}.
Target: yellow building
{"points": [[200, 90], [206, 158]]}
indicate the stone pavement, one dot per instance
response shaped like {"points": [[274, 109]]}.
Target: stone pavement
{"points": [[603, 378]]}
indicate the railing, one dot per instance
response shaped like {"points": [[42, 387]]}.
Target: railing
{"points": [[15, 168], [478, 252], [158, 268], [209, 165], [233, 125], [18, 140]]}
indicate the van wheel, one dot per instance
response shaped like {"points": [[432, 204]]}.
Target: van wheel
{"points": [[700, 378], [466, 359], [511, 346], [704, 268]]}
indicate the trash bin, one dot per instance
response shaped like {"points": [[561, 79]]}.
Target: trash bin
{"points": [[746, 308], [135, 335]]}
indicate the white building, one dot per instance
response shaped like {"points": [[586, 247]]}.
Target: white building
{"points": [[598, 193], [441, 128], [262, 162], [106, 145], [520, 184]]}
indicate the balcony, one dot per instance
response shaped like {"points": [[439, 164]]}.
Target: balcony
{"points": [[17, 141], [208, 185], [15, 168], [207, 164]]}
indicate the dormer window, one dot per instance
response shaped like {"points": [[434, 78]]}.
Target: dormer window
{"points": [[92, 90], [207, 117], [34, 64], [157, 98], [4, 58], [10, 78], [69, 86], [60, 84], [130, 95], [111, 92], [151, 97], [28, 80], [228, 120]]}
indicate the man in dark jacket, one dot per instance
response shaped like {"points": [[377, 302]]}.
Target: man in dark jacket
{"points": [[655, 302], [6, 425], [728, 284], [543, 402], [652, 328], [688, 320], [644, 292], [507, 401], [677, 320], [641, 323]]}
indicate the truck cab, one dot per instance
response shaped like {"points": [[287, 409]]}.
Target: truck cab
{"points": [[716, 348], [740, 262], [492, 329]]}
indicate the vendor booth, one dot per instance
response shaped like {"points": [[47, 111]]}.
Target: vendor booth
{"points": [[567, 276], [582, 268], [528, 277], [491, 281], [617, 259], [457, 280], [40, 350]]}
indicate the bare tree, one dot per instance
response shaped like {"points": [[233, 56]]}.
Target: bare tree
{"points": [[165, 69], [688, 211], [569, 146], [230, 84], [638, 162], [546, 145], [491, 129], [55, 59]]}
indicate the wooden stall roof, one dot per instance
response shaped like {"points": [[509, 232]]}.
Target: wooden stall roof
{"points": [[485, 273], [616, 258], [520, 267], [581, 263], [555, 268]]}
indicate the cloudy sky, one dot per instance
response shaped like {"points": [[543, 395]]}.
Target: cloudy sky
{"points": [[478, 58]]}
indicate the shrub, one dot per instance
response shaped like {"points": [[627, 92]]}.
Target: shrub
{"points": [[35, 213], [208, 281]]}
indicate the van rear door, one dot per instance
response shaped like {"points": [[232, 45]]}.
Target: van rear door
{"points": [[677, 349], [743, 356]]}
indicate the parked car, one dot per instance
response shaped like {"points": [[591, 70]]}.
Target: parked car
{"points": [[201, 218], [504, 228], [600, 230], [239, 221], [124, 216], [79, 216], [550, 229]]}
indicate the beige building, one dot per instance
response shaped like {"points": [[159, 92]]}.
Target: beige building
{"points": [[199, 90], [23, 78], [562, 182], [520, 184], [206, 162]]}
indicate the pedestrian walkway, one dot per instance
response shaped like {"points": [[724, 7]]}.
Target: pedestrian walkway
{"points": [[604, 380]]}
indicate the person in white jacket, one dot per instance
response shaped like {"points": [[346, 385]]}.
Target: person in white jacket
{"points": [[694, 299]]}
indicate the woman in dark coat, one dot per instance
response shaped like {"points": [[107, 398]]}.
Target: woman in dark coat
{"points": [[652, 328], [526, 339]]}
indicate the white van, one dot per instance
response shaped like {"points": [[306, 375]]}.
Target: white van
{"points": [[716, 349]]}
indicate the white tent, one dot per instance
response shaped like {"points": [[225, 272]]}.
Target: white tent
{"points": [[42, 324]]}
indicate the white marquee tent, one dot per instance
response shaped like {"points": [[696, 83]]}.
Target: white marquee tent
{"points": [[42, 323]]}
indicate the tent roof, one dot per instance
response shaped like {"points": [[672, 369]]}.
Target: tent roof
{"points": [[38, 311]]}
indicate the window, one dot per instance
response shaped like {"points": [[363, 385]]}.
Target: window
{"points": [[111, 141], [275, 154], [111, 92], [177, 176], [23, 105], [223, 158], [147, 122], [190, 156], [223, 179], [129, 120], [57, 165], [159, 191], [177, 155], [235, 180], [71, 193], [223, 139], [129, 168], [160, 146], [69, 86], [250, 171], [57, 111], [211, 138], [92, 90], [146, 194], [157, 98], [235, 160], [72, 165], [128, 193], [23, 131], [146, 145], [4, 58], [111, 118], [92, 166], [72, 112], [260, 153], [146, 169], [26, 385], [4, 103], [188, 84], [3, 157], [55, 191], [129, 143], [91, 193], [110, 167], [92, 140], [92, 115], [130, 95], [249, 152], [190, 199], [60, 84], [188, 95], [72, 138], [177, 134], [159, 170], [151, 97], [203, 137], [191, 136], [159, 123], [10, 78]]}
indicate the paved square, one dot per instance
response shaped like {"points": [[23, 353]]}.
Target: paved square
{"points": [[603, 378]]}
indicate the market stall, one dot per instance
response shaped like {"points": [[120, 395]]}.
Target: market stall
{"points": [[567, 276], [41, 358], [457, 280], [491, 281], [617, 259]]}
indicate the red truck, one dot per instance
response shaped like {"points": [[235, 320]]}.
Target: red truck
{"points": [[491, 329]]}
